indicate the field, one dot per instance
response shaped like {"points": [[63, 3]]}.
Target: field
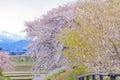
{"points": [[22, 70]]}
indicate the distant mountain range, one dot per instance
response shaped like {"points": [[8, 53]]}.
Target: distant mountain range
{"points": [[10, 36], [12, 42]]}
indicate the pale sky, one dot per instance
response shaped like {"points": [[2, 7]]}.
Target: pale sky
{"points": [[13, 13]]}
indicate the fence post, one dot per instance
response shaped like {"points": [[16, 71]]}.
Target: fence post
{"points": [[112, 76], [87, 78], [93, 77], [101, 77], [81, 78]]}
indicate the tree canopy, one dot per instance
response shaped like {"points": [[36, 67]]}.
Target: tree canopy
{"points": [[42, 31], [83, 32], [5, 62], [95, 40]]}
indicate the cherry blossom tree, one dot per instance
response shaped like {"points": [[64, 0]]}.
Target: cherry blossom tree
{"points": [[95, 41], [46, 47], [5, 62], [100, 15]]}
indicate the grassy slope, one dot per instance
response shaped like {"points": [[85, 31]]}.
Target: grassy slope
{"points": [[55, 74], [63, 76], [4, 78], [71, 74]]}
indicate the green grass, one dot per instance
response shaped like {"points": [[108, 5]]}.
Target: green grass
{"points": [[5, 78], [63, 76], [70, 74], [22, 78], [24, 63], [23, 66], [54, 75], [76, 72]]}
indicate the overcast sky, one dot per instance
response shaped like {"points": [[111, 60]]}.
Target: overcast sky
{"points": [[13, 13]]}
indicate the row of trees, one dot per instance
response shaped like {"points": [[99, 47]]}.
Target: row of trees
{"points": [[85, 32]]}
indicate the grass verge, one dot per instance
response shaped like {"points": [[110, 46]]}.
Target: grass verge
{"points": [[71, 74], [4, 78], [54, 75], [81, 69]]}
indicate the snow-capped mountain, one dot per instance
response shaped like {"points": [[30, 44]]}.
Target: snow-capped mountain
{"points": [[12, 42], [10, 36]]}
